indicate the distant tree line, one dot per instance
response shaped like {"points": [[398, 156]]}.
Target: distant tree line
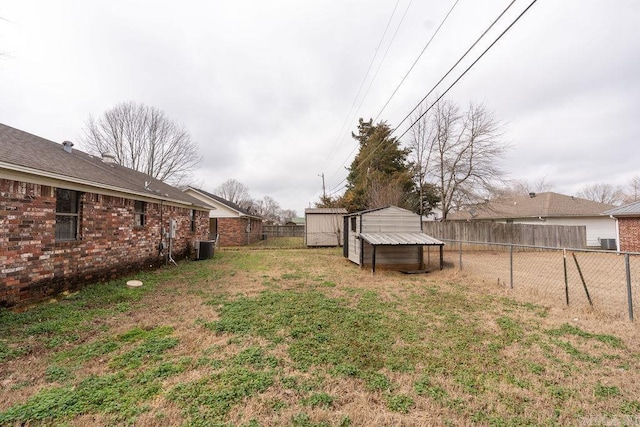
{"points": [[267, 207]]}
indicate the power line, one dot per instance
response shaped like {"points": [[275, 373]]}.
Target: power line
{"points": [[458, 61], [448, 72], [401, 82], [364, 79], [373, 79], [467, 70], [459, 78], [417, 59]]}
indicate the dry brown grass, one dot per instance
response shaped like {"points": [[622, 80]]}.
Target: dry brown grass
{"points": [[534, 396], [539, 278]]}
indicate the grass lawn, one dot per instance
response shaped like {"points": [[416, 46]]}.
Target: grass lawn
{"points": [[305, 338]]}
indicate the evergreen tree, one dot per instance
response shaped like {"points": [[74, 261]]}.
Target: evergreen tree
{"points": [[379, 174]]}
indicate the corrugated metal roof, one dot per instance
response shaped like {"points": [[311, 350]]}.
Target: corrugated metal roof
{"points": [[398, 239], [325, 211], [632, 209]]}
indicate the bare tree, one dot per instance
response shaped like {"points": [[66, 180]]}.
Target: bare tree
{"points": [[467, 150], [421, 143], [632, 194], [268, 208], [603, 193], [144, 139], [235, 192], [519, 187], [382, 193]]}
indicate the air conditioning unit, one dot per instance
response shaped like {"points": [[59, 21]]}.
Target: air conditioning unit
{"points": [[608, 244], [204, 249]]}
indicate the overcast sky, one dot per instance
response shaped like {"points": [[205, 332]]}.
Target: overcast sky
{"points": [[266, 88]]}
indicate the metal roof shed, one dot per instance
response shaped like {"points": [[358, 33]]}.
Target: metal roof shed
{"points": [[324, 226], [388, 237]]}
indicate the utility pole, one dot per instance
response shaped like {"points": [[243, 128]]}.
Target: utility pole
{"points": [[324, 193]]}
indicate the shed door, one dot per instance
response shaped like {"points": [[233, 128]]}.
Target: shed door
{"points": [[345, 237]]}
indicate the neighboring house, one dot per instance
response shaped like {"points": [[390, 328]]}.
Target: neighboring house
{"points": [[231, 224], [68, 218], [388, 237], [324, 226], [628, 226], [546, 209], [296, 220]]}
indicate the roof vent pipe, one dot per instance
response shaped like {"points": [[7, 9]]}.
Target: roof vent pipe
{"points": [[532, 195], [67, 146], [108, 158]]}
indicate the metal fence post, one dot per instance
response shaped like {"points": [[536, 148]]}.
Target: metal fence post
{"points": [[511, 265], [461, 255], [566, 278], [629, 296]]}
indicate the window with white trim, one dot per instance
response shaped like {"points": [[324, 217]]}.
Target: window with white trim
{"points": [[67, 214], [139, 213]]}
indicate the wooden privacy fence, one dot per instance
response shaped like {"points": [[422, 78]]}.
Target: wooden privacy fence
{"points": [[283, 230], [553, 236]]}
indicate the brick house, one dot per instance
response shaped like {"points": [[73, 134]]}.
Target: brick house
{"points": [[68, 219], [234, 225], [628, 226]]}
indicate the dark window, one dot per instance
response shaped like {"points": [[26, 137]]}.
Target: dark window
{"points": [[193, 220], [138, 213], [66, 214], [353, 223]]}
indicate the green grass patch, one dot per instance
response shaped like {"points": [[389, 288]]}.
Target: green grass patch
{"points": [[207, 401]]}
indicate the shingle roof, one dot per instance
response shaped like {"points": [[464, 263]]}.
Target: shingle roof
{"points": [[632, 209], [227, 203], [24, 152], [543, 205]]}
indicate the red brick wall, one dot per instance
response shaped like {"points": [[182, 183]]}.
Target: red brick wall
{"points": [[33, 265], [629, 234], [233, 231]]}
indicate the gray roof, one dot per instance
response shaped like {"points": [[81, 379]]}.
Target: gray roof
{"points": [[544, 205], [399, 239], [23, 152], [227, 203], [632, 209], [325, 211]]}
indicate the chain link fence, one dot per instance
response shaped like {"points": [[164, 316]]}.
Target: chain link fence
{"points": [[606, 282]]}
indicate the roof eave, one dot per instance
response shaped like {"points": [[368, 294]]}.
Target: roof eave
{"points": [[54, 176]]}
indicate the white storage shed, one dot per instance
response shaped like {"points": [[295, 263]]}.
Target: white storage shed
{"points": [[389, 237], [324, 226]]}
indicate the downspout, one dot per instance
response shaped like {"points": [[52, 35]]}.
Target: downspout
{"points": [[617, 233], [160, 243]]}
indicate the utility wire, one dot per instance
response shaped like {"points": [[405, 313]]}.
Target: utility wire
{"points": [[459, 77], [426, 46], [401, 82], [373, 79], [448, 72], [364, 79], [459, 60], [465, 71]]}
